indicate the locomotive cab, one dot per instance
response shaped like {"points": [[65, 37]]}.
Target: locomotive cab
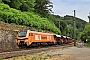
{"points": [[22, 38]]}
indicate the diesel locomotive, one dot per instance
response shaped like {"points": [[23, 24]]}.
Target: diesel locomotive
{"points": [[33, 38]]}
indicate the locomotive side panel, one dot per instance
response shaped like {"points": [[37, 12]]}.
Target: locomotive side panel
{"points": [[41, 37]]}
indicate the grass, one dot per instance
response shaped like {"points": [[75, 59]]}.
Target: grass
{"points": [[1, 59], [12, 26], [39, 56], [13, 58], [87, 45], [30, 57]]}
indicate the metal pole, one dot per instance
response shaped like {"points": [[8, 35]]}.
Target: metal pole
{"points": [[88, 17], [74, 30]]}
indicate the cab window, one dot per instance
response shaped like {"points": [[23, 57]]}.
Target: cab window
{"points": [[22, 33], [30, 34]]}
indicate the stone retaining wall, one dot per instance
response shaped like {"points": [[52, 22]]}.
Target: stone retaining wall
{"points": [[8, 40]]}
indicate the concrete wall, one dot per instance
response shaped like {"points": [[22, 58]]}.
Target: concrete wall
{"points": [[8, 40]]}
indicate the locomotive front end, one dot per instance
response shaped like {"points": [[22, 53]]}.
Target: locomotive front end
{"points": [[22, 38]]}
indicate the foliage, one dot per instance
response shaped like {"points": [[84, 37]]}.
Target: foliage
{"points": [[66, 25], [43, 7], [10, 15], [86, 33], [23, 5], [31, 9], [69, 30], [1, 59], [0, 1]]}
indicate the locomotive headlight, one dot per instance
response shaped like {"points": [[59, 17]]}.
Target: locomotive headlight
{"points": [[17, 41], [26, 40]]}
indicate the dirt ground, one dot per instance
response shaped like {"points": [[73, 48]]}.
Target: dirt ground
{"points": [[73, 53]]}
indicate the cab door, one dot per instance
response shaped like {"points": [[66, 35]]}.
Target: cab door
{"points": [[31, 37]]}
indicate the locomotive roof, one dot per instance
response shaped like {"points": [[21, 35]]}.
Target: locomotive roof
{"points": [[41, 32]]}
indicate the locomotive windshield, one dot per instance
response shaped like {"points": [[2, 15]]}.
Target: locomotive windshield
{"points": [[22, 33]]}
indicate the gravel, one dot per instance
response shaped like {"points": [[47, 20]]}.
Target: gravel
{"points": [[78, 53]]}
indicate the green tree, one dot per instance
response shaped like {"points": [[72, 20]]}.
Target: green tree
{"points": [[23, 5], [86, 33], [31, 19], [0, 1], [43, 7], [27, 5]]}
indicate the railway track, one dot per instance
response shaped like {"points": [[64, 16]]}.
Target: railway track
{"points": [[20, 52]]}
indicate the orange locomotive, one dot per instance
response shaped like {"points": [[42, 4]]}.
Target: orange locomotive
{"points": [[32, 38]]}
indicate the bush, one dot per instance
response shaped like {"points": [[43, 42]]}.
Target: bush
{"points": [[10, 15]]}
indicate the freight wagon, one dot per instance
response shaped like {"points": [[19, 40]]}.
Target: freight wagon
{"points": [[58, 39]]}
